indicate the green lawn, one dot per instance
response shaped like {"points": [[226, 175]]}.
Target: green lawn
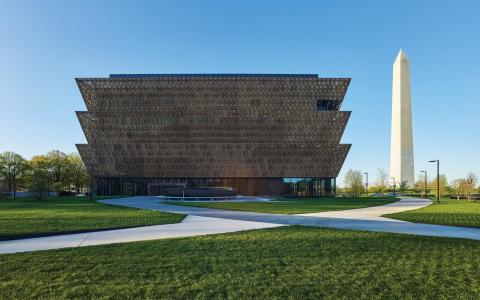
{"points": [[295, 206], [27, 217], [448, 212], [290, 262]]}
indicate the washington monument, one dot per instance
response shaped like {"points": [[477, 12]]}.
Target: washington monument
{"points": [[401, 151]]}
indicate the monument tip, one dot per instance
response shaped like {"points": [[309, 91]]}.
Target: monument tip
{"points": [[401, 54]]}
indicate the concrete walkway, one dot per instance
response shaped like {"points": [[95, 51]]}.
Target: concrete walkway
{"points": [[370, 221], [375, 213], [202, 221], [190, 226]]}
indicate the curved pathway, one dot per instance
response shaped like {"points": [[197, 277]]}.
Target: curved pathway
{"points": [[202, 221], [368, 219], [190, 226], [375, 213]]}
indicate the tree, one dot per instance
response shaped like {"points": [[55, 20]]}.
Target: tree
{"points": [[420, 184], [57, 162], [354, 181], [403, 186], [470, 184], [443, 184], [382, 178], [375, 189], [57, 171], [39, 181], [3, 179], [39, 162], [77, 173], [340, 191], [457, 187], [13, 168]]}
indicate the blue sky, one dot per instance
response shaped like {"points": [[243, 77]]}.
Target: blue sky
{"points": [[44, 45]]}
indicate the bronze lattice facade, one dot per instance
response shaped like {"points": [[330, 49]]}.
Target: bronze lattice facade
{"points": [[261, 134]]}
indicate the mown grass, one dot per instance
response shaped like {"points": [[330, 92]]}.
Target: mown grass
{"points": [[26, 217], [447, 212], [294, 206], [288, 262]]}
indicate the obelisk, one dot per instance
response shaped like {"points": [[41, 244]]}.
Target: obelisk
{"points": [[401, 151]]}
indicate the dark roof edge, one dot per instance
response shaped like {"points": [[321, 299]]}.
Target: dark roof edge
{"points": [[211, 75]]}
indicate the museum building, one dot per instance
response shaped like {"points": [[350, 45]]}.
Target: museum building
{"points": [[213, 134]]}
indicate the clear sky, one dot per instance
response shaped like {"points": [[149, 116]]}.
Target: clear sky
{"points": [[44, 45]]}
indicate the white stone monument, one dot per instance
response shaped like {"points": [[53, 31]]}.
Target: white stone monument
{"points": [[401, 151]]}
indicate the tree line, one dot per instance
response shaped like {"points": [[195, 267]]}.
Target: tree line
{"points": [[465, 188], [53, 171]]}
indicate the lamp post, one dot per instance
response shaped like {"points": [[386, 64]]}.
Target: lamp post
{"points": [[394, 185], [438, 177], [366, 182], [425, 182]]}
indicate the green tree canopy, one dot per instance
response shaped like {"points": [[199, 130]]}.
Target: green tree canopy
{"points": [[53, 171], [57, 164], [77, 173], [354, 182], [12, 166], [443, 185]]}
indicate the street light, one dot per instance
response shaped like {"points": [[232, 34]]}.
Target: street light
{"points": [[438, 177], [425, 182], [394, 185], [366, 182]]}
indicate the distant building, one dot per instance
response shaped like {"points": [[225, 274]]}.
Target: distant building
{"points": [[401, 151], [258, 134]]}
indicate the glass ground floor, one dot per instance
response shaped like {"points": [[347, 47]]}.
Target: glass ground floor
{"points": [[254, 186]]}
